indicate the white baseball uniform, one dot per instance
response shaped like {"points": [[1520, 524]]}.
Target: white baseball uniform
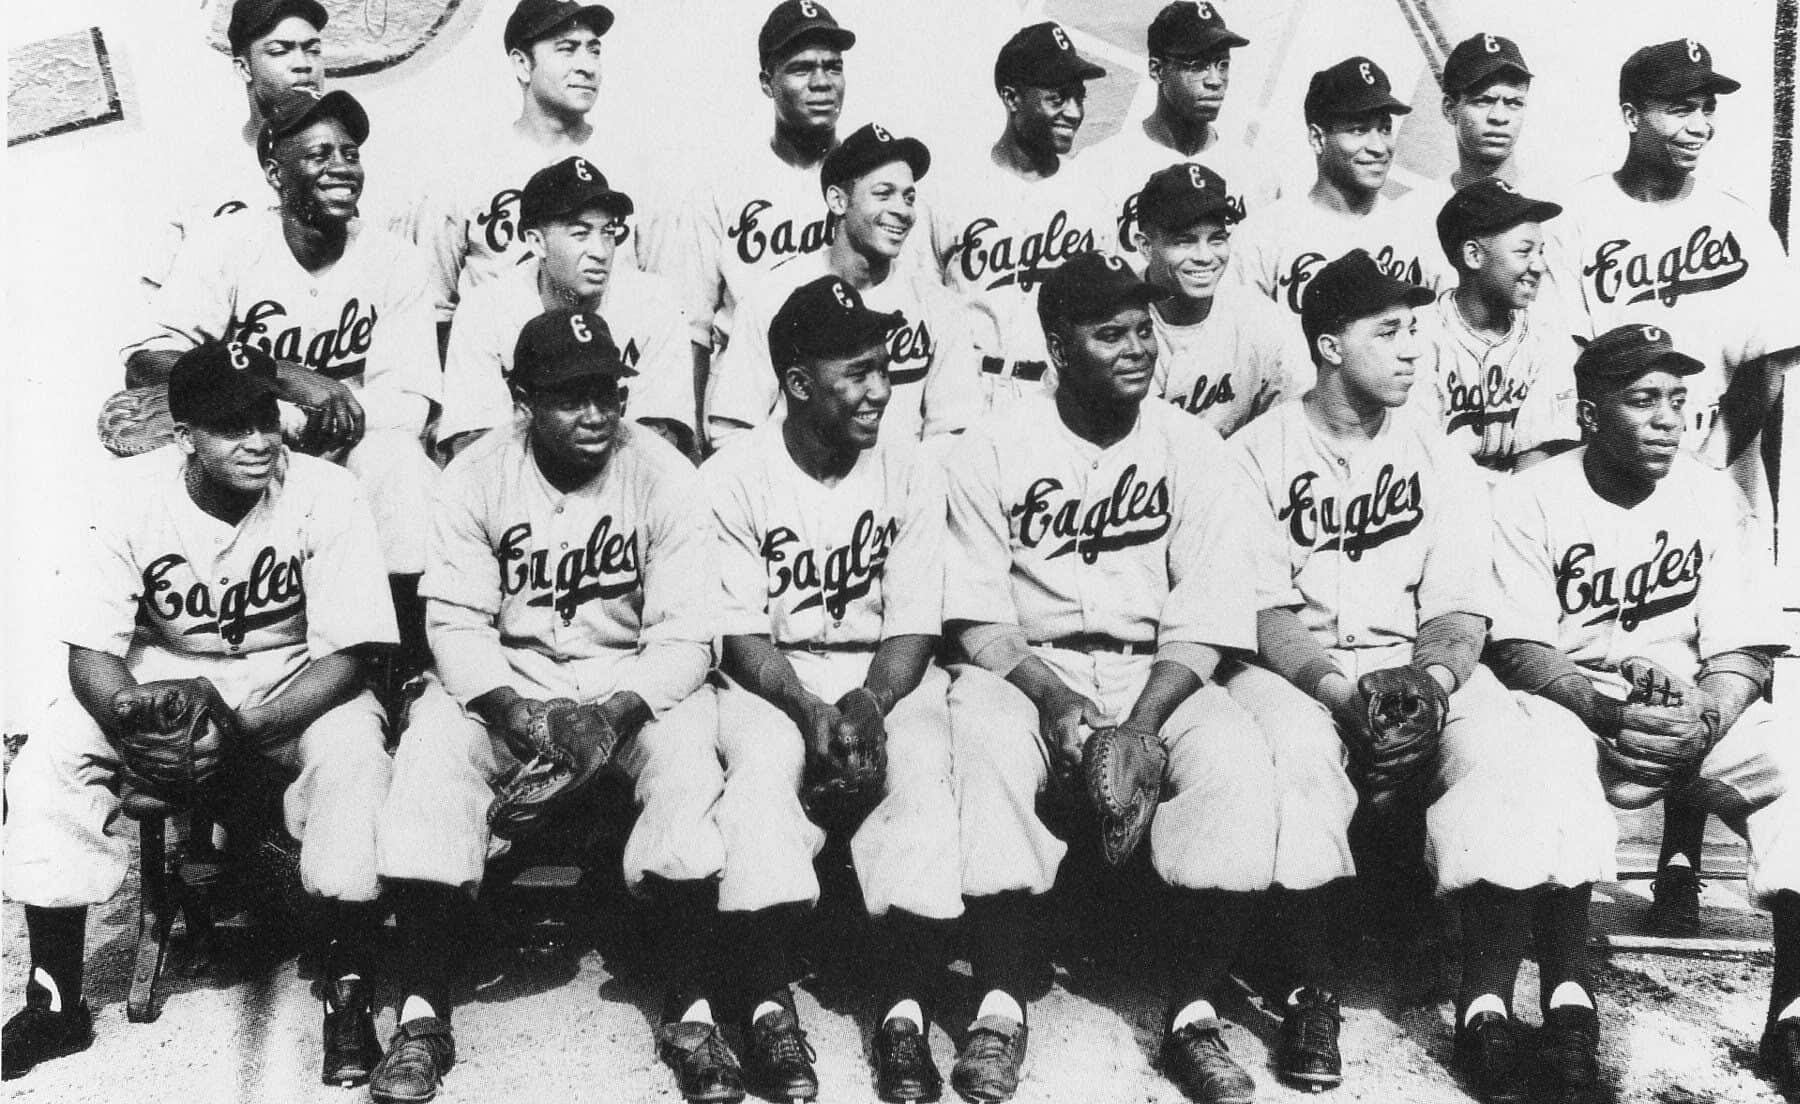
{"points": [[932, 368], [580, 595], [827, 574], [1122, 163], [177, 593], [1281, 247], [1243, 358], [1679, 577], [1368, 544], [232, 181]]}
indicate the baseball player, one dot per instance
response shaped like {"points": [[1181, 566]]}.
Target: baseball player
{"points": [[1373, 571], [229, 558], [1096, 578], [1626, 551], [1190, 61], [831, 549], [1350, 110], [342, 308], [870, 185], [573, 222], [1223, 352], [1496, 374], [603, 548], [1011, 214]]}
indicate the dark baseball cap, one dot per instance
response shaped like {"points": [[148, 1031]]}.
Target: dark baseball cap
{"points": [[1351, 87], [1679, 67], [1487, 207], [826, 318], [794, 20], [871, 146], [218, 383], [562, 346], [1478, 59], [534, 19], [565, 188], [1183, 194], [251, 19], [1353, 287], [1089, 287], [1626, 352], [1042, 56], [1189, 29], [296, 109]]}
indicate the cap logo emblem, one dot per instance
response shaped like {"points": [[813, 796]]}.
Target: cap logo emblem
{"points": [[1204, 9], [1114, 263], [1195, 178], [809, 9], [842, 294], [240, 357], [1650, 333], [1367, 71], [584, 170], [1696, 52], [880, 132], [1062, 39], [579, 327], [1488, 44]]}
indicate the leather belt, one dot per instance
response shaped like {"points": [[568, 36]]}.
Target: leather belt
{"points": [[1099, 642], [825, 647], [1028, 370]]}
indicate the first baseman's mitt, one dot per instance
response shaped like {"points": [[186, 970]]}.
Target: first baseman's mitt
{"points": [[171, 737], [571, 744], [842, 786], [1395, 739], [1124, 771], [1666, 727]]}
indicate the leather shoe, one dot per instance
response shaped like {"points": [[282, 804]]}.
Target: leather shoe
{"points": [[903, 1066], [987, 1070], [1487, 1055], [1308, 1050], [703, 1062], [778, 1061], [1674, 902], [351, 1049], [420, 1053], [1196, 1058], [1569, 1046], [1780, 1054], [36, 1034]]}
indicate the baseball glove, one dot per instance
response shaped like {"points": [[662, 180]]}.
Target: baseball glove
{"points": [[570, 744], [1666, 727], [1124, 771], [171, 737], [1395, 737], [842, 786]]}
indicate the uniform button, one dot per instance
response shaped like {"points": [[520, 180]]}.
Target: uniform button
{"points": [[1350, 638], [314, 292], [565, 545], [559, 509], [234, 647], [224, 582]]}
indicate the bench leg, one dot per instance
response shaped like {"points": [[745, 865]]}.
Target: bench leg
{"points": [[155, 916]]}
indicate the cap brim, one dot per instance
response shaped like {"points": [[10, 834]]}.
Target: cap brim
{"points": [[1485, 72], [596, 18], [869, 328], [594, 195], [570, 371], [827, 34], [339, 105], [1073, 68], [1141, 294], [1188, 210], [910, 150], [1205, 45], [310, 10], [1535, 210]]}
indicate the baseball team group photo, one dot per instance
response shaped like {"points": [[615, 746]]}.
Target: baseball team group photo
{"points": [[1048, 571]]}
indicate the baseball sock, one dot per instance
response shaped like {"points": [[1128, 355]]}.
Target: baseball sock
{"points": [[1002, 948], [687, 917], [57, 937], [1684, 833], [1495, 924], [915, 952], [1784, 987], [1561, 924], [352, 926], [763, 951], [1209, 926], [409, 612], [429, 921], [1301, 923]]}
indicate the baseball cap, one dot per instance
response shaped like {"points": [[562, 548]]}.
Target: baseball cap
{"points": [[1042, 56], [1353, 287], [1089, 287], [825, 318], [533, 19], [562, 346], [1487, 207], [1679, 67], [792, 20], [1188, 29], [1351, 87], [1626, 352], [1181, 195], [1476, 60], [296, 108], [572, 184], [870, 147], [251, 19], [219, 382]]}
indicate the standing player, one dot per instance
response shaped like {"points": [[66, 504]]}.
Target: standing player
{"points": [[1190, 61], [870, 185], [1223, 352], [1350, 111], [573, 223], [1374, 567], [1007, 219], [832, 551], [600, 535], [1629, 547], [223, 556], [1486, 86]]}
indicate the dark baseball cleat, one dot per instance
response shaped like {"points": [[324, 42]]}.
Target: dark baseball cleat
{"points": [[1568, 1049], [1308, 1050], [1779, 1055], [903, 1066], [1196, 1058], [35, 1034], [987, 1070], [1487, 1056], [420, 1053], [778, 1061], [704, 1064], [1674, 902], [351, 1049]]}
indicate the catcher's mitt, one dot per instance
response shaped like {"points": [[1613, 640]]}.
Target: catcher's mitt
{"points": [[1666, 727], [571, 744], [1124, 772], [842, 786], [1395, 739], [171, 736]]}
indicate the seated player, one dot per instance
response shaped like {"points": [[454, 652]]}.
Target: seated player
{"points": [[1376, 575], [831, 551], [222, 556], [1629, 549], [570, 555]]}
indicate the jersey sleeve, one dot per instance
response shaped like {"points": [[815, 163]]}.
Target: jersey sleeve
{"points": [[1772, 330], [742, 389], [104, 582], [347, 597], [1253, 257], [978, 557], [441, 229], [675, 637], [912, 588], [1735, 611], [1271, 575], [403, 365], [462, 588], [475, 394], [1524, 578], [664, 385], [1548, 412], [743, 597], [1456, 574], [953, 397], [198, 300], [1209, 562], [701, 235]]}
